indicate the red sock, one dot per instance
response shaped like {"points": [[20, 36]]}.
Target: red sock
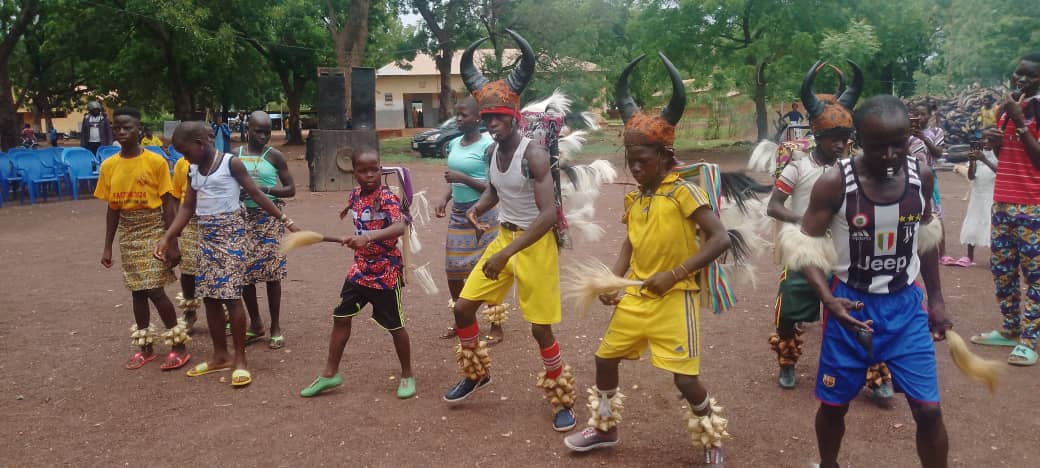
{"points": [[552, 360], [468, 336]]}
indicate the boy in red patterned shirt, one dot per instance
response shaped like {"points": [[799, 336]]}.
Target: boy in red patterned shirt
{"points": [[375, 276]]}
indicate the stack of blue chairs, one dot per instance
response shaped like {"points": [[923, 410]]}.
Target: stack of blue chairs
{"points": [[80, 164], [104, 153], [7, 175], [36, 169], [170, 160]]}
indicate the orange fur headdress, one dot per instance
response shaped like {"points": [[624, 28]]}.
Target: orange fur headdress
{"points": [[826, 111], [502, 96], [643, 129]]}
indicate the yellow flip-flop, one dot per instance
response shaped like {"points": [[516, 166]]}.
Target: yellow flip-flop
{"points": [[204, 368], [241, 378]]}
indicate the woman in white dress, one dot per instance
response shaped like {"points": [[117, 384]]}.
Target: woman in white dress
{"points": [[982, 172]]}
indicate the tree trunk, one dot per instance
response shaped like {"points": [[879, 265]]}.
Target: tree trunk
{"points": [[183, 100], [293, 129], [349, 39], [761, 112], [10, 123], [447, 96]]}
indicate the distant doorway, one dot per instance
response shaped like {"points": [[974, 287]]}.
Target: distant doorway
{"points": [[415, 115]]}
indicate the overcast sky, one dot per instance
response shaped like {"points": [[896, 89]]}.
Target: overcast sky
{"points": [[410, 19]]}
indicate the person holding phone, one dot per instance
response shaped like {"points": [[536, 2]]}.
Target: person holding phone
{"points": [[1016, 215]]}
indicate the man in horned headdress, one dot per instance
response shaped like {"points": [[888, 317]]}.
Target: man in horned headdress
{"points": [[525, 251], [830, 119], [877, 209], [664, 218]]}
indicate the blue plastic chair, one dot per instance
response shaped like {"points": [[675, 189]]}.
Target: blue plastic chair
{"points": [[34, 176], [52, 160], [158, 150], [170, 160], [7, 175], [105, 152], [80, 164]]}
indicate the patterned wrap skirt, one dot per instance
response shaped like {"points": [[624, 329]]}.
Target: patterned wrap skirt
{"points": [[223, 255], [265, 263], [189, 245], [466, 243], [139, 232]]}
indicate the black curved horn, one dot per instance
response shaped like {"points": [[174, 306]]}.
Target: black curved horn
{"points": [[471, 76], [849, 97], [674, 110], [812, 105], [524, 71], [626, 106]]}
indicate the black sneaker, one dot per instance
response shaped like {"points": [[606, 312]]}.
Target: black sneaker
{"points": [[465, 388], [591, 439]]}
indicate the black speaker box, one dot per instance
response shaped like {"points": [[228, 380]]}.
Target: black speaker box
{"points": [[328, 157], [363, 98], [332, 99]]}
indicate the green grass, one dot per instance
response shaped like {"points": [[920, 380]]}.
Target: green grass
{"points": [[399, 150]]}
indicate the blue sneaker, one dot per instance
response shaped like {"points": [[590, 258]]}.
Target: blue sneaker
{"points": [[465, 388], [564, 420]]}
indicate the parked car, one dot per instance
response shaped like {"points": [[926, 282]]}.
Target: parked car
{"points": [[433, 143]]}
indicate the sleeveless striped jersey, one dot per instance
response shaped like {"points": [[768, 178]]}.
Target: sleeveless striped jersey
{"points": [[877, 243]]}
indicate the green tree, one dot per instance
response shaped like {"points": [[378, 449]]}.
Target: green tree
{"points": [[46, 79], [16, 17], [981, 40], [290, 36], [449, 25]]}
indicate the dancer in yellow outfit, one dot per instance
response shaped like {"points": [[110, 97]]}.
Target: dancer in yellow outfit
{"points": [[672, 234]]}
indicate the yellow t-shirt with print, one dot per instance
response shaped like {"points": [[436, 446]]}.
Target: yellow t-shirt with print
{"points": [[134, 183], [180, 179], [153, 141], [661, 231]]}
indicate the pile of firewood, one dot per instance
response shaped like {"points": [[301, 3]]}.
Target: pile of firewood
{"points": [[959, 114]]}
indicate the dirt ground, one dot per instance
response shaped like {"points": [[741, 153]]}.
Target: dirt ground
{"points": [[66, 399]]}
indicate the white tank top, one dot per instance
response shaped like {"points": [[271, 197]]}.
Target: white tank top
{"points": [[216, 193], [516, 203]]}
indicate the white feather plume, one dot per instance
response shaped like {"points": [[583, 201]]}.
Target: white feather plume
{"points": [[591, 120], [420, 208], [571, 144], [422, 274], [581, 222], [763, 158], [414, 246], [557, 102], [605, 172]]}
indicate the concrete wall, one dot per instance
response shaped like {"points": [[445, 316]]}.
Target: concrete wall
{"points": [[391, 114]]}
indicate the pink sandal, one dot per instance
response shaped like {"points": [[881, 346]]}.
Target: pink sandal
{"points": [[947, 260], [964, 262]]}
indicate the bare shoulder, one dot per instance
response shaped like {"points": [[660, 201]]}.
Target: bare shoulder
{"points": [[276, 157], [536, 151]]}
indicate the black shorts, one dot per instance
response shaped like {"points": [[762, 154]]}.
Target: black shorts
{"points": [[386, 304]]}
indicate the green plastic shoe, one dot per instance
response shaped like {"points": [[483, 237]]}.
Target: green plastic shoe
{"points": [[787, 377], [406, 389], [321, 384]]}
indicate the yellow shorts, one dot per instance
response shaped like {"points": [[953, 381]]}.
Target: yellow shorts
{"points": [[536, 270], [668, 324]]}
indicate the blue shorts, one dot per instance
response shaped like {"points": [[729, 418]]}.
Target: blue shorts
{"points": [[901, 340]]}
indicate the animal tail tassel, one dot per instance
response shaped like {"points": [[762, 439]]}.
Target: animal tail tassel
{"points": [[298, 239], [974, 367], [587, 279]]}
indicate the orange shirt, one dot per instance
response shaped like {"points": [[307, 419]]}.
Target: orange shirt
{"points": [[180, 179]]}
